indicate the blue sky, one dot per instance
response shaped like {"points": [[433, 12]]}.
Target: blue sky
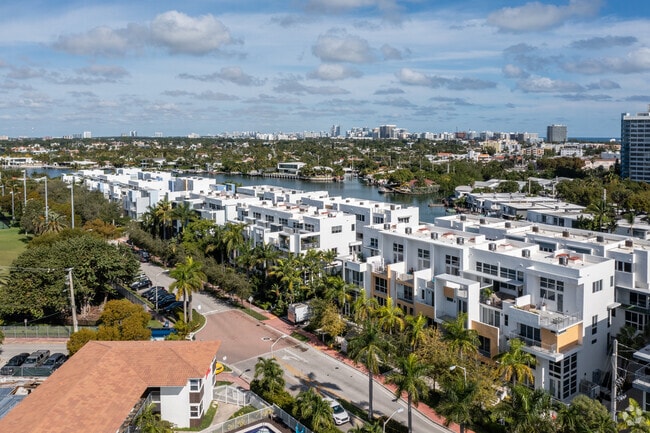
{"points": [[213, 66]]}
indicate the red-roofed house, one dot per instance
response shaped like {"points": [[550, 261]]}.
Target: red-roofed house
{"points": [[101, 386]]}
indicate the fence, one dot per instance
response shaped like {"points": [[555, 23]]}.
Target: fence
{"points": [[128, 294], [40, 331]]}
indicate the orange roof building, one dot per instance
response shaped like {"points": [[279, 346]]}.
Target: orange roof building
{"points": [[99, 388]]}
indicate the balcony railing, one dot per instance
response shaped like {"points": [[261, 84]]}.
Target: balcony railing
{"points": [[534, 344], [405, 277]]}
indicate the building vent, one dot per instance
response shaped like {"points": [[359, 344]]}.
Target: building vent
{"points": [[434, 235], [564, 260], [565, 234], [376, 204], [460, 240], [361, 203], [392, 207], [481, 221], [525, 253], [629, 243], [600, 238], [535, 229], [408, 230], [508, 224], [492, 246], [386, 226]]}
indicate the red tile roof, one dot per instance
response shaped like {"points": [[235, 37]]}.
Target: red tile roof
{"points": [[96, 389]]}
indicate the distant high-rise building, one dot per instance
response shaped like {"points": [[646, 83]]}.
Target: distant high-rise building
{"points": [[387, 131], [556, 134], [635, 146], [335, 131], [87, 134]]}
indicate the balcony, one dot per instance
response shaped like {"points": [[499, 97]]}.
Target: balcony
{"points": [[541, 318], [538, 348], [405, 278]]}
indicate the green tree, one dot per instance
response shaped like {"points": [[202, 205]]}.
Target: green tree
{"points": [[390, 317], [515, 364], [634, 419], [164, 214], [457, 403], [461, 339], [415, 330], [123, 320], [314, 411], [288, 273], [79, 339], [189, 279], [526, 410], [585, 415], [233, 239], [184, 214], [149, 421], [364, 307], [269, 376], [409, 379], [369, 349]]}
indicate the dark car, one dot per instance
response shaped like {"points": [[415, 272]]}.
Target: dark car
{"points": [[159, 293], [152, 291], [12, 365], [54, 361], [142, 283], [36, 359], [164, 302], [145, 256], [173, 306]]}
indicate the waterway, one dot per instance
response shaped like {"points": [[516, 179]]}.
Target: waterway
{"points": [[351, 187]]}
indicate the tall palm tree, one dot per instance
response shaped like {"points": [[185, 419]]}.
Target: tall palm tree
{"points": [[189, 278], [526, 410], [288, 273], [269, 375], [409, 378], [163, 212], [461, 339], [415, 330], [266, 255], [365, 308], [391, 317], [184, 213], [314, 410], [233, 239], [458, 403], [369, 348], [338, 290], [148, 421], [516, 364]]}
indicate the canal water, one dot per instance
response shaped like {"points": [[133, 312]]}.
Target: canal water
{"points": [[351, 187]]}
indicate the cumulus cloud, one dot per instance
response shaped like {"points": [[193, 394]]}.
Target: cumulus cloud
{"points": [[513, 71], [638, 98], [415, 78], [233, 74], [535, 16], [397, 102], [634, 62], [548, 85], [391, 53], [207, 95], [389, 91], [25, 73], [585, 97], [333, 72], [174, 31], [597, 43], [604, 85], [270, 99], [104, 71], [389, 9], [293, 85], [339, 46]]}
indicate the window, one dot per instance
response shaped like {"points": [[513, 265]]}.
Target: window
{"points": [[424, 259], [352, 227], [403, 219], [639, 300], [361, 218], [195, 385], [374, 243], [378, 219], [257, 215], [635, 320], [405, 293], [196, 410], [530, 333], [283, 221], [381, 285], [380, 301], [511, 274], [310, 227], [549, 288], [398, 252], [594, 324], [564, 377], [354, 277], [487, 268], [596, 286], [623, 266], [491, 317], [484, 346], [611, 281], [337, 229], [452, 265], [269, 218]]}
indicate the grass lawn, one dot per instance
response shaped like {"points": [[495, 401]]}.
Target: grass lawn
{"points": [[13, 244]]}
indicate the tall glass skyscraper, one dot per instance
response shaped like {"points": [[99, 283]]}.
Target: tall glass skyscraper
{"points": [[635, 146]]}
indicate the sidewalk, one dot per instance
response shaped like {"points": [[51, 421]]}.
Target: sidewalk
{"points": [[288, 329]]}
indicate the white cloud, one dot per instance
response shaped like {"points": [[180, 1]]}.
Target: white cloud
{"points": [[415, 78], [339, 46], [233, 74], [547, 85], [333, 72], [103, 41], [513, 71], [534, 16], [293, 85], [634, 62], [182, 34], [390, 53]]}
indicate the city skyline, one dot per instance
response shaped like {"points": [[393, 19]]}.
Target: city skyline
{"points": [[206, 68]]}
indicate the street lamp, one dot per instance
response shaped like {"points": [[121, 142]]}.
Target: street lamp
{"points": [[273, 344], [398, 410], [24, 188], [72, 203], [453, 367], [155, 280], [13, 207], [47, 209]]}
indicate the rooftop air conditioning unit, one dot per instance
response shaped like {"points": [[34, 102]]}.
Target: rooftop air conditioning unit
{"points": [[434, 235], [481, 221], [386, 226], [392, 207], [525, 253], [492, 246], [565, 234], [535, 229], [629, 243], [460, 240], [408, 230], [564, 260], [463, 217], [508, 224], [600, 238]]}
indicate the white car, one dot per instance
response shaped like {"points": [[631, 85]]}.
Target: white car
{"points": [[339, 414]]}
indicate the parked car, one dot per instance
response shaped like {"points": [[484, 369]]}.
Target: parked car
{"points": [[152, 291], [12, 365], [166, 301], [141, 283], [173, 306], [160, 293], [54, 361], [36, 359], [144, 256], [339, 414]]}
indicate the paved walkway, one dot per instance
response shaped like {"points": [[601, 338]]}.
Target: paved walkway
{"points": [[288, 329]]}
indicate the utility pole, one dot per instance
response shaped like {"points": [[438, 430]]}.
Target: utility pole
{"points": [[75, 324], [614, 378]]}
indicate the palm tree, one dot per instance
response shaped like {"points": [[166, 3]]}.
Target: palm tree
{"points": [[516, 364], [269, 375], [337, 289], [364, 307], [288, 273], [585, 415], [415, 330], [312, 409], [526, 410], [390, 317], [163, 212], [266, 255], [184, 213], [149, 421], [459, 337], [368, 348], [232, 239], [457, 403], [634, 419], [409, 379], [189, 278]]}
